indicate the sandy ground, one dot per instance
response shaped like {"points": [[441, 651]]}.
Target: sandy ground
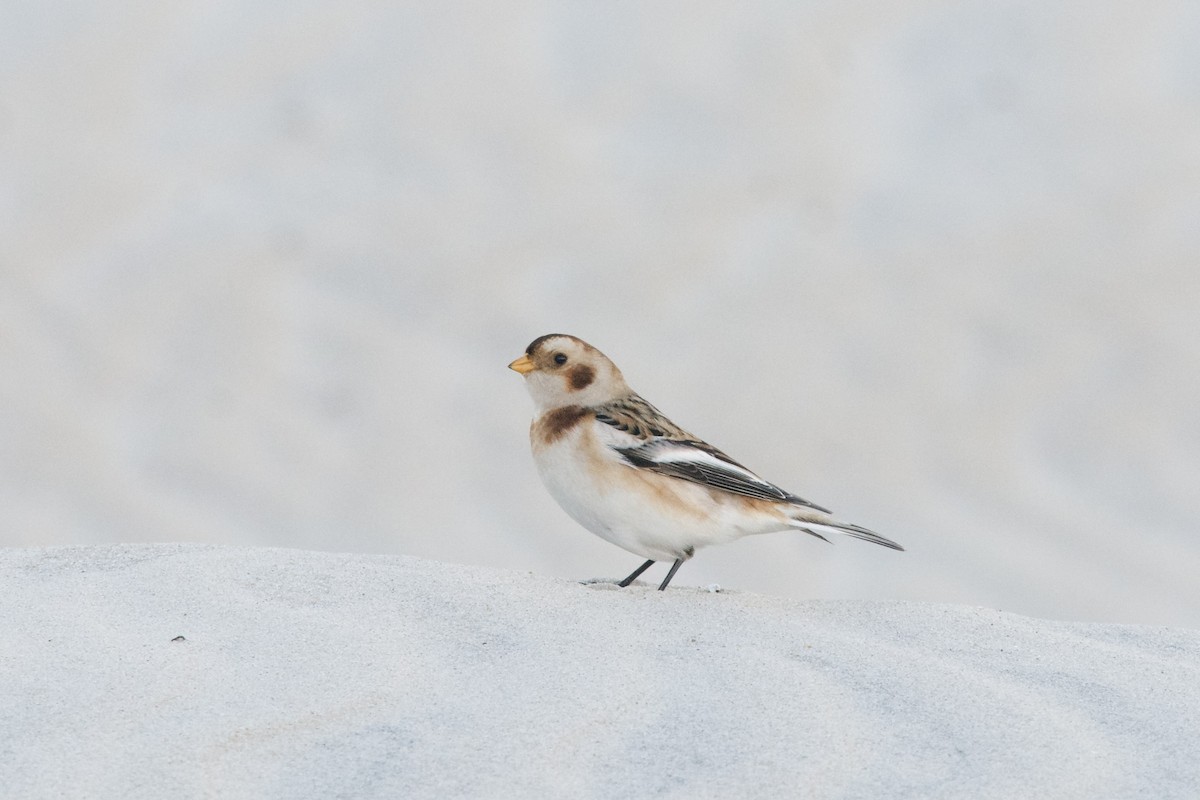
{"points": [[931, 265], [166, 671]]}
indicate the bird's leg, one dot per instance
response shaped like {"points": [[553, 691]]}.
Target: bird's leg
{"points": [[636, 572], [670, 574]]}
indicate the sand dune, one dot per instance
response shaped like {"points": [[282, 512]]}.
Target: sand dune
{"points": [[316, 675]]}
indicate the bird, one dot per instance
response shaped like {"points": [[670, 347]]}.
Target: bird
{"points": [[624, 471]]}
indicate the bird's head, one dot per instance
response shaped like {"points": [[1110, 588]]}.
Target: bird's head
{"points": [[561, 370]]}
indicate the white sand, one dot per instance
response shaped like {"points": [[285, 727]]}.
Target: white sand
{"points": [[314, 675]]}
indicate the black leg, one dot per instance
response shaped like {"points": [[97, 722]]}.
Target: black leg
{"points": [[636, 572], [670, 574]]}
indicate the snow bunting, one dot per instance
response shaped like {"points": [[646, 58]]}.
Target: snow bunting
{"points": [[634, 478]]}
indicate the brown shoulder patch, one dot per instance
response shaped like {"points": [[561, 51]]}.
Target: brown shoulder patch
{"points": [[581, 376], [552, 426]]}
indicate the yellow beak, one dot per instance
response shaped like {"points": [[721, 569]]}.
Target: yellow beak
{"points": [[522, 365]]}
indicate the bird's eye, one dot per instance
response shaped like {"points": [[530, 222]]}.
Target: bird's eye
{"points": [[560, 359]]}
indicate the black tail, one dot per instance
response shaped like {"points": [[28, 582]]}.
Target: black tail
{"points": [[857, 531]]}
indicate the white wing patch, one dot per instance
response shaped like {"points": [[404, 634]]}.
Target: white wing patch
{"points": [[701, 463]]}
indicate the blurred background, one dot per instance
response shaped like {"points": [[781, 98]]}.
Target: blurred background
{"points": [[933, 265]]}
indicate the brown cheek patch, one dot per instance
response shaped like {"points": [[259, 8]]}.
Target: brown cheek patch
{"points": [[581, 377], [556, 424]]}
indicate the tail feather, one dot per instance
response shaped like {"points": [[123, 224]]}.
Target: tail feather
{"points": [[857, 531]]}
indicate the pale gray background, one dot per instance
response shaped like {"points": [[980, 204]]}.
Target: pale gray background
{"points": [[932, 264]]}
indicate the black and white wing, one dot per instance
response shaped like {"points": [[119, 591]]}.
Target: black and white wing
{"points": [[657, 444], [699, 462]]}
